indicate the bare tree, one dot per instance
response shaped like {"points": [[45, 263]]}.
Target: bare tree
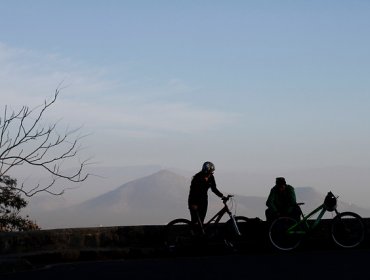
{"points": [[26, 141]]}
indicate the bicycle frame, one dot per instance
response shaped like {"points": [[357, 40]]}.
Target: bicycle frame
{"points": [[305, 218], [217, 217]]}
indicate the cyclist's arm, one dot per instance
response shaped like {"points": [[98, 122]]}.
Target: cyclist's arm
{"points": [[270, 203], [292, 199], [214, 188]]}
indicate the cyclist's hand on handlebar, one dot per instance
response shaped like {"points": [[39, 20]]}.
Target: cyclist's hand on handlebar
{"points": [[226, 198]]}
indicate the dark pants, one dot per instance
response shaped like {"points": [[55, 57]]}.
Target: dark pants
{"points": [[295, 213], [200, 213]]}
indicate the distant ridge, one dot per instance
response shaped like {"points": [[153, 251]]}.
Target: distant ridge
{"points": [[157, 199], [162, 185]]}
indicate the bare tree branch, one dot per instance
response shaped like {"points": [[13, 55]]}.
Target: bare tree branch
{"points": [[25, 141]]}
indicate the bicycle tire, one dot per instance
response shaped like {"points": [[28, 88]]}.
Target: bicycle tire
{"points": [[279, 236], [232, 238], [178, 235], [348, 230]]}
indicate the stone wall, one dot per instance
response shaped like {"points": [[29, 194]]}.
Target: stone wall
{"points": [[45, 246], [77, 243]]}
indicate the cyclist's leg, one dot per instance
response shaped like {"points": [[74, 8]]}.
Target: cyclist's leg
{"points": [[197, 220], [198, 214], [203, 210], [295, 213], [270, 215], [194, 215]]}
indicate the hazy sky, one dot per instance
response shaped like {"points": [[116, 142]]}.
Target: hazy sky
{"points": [[249, 85]]}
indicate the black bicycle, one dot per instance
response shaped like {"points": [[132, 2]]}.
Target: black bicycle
{"points": [[182, 233]]}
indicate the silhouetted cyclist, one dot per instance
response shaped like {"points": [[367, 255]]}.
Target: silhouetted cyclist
{"points": [[198, 195]]}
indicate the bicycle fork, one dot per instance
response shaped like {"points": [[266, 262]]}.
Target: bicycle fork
{"points": [[235, 225]]}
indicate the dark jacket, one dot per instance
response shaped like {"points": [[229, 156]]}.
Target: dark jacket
{"points": [[199, 189], [282, 202]]}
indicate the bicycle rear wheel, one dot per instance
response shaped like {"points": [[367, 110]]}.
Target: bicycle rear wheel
{"points": [[348, 230], [280, 237], [179, 235]]}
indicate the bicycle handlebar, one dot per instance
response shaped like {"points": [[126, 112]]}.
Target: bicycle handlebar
{"points": [[226, 198]]}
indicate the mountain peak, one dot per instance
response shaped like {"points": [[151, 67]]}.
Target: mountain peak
{"points": [[159, 177], [164, 172]]}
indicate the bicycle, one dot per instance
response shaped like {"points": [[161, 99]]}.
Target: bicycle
{"points": [[347, 229], [182, 233]]}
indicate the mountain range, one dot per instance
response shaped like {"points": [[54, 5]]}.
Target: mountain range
{"points": [[157, 199]]}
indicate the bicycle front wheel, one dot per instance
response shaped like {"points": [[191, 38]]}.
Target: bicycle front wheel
{"points": [[348, 230], [281, 237], [236, 232], [179, 234]]}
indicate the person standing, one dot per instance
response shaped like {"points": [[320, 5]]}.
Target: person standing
{"points": [[198, 194]]}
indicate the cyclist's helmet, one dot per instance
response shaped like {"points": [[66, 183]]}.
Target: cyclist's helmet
{"points": [[208, 167], [330, 202]]}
